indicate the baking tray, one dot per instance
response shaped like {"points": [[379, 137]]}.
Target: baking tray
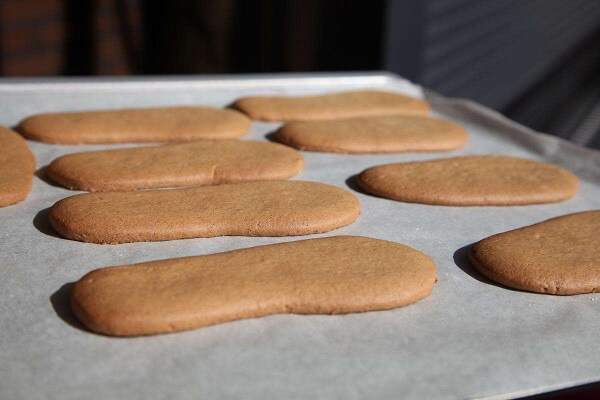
{"points": [[469, 339]]}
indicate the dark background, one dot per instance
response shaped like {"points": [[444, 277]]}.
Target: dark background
{"points": [[537, 61]]}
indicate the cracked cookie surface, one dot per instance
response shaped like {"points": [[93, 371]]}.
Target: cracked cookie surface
{"points": [[184, 164]]}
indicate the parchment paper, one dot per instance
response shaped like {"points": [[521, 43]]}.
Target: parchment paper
{"points": [[470, 338]]}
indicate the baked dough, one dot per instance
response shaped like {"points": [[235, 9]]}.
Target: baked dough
{"points": [[17, 165], [334, 275], [471, 181], [269, 208], [360, 103], [387, 134], [557, 256], [204, 162], [162, 124]]}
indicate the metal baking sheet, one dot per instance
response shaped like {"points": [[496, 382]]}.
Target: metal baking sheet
{"points": [[469, 339]]}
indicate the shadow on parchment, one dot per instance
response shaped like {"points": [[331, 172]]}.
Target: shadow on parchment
{"points": [[41, 222], [461, 259], [232, 106], [42, 173], [352, 183], [61, 304], [271, 137]]}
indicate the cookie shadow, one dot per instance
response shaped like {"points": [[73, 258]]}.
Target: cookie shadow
{"points": [[461, 259], [61, 304], [231, 106], [272, 137], [352, 183], [41, 222], [42, 173], [17, 128]]}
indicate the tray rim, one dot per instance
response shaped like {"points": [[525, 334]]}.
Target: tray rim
{"points": [[155, 82]]}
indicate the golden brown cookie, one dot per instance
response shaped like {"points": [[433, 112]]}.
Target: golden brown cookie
{"points": [[163, 124], [386, 134], [557, 256], [17, 165], [360, 103], [471, 181], [184, 164], [269, 208], [334, 275]]}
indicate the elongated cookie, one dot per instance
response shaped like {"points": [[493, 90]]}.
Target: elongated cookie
{"points": [[334, 275], [471, 181], [359, 103], [17, 166], [557, 256], [269, 208], [183, 164], [384, 134], [163, 124]]}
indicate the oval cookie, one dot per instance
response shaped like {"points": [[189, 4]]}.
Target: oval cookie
{"points": [[163, 124], [387, 134], [17, 165], [183, 164], [270, 208], [334, 275], [471, 181], [359, 103], [557, 256]]}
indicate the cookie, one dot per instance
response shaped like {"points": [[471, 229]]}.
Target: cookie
{"points": [[184, 164], [334, 275], [17, 165], [386, 134], [361, 103], [269, 208], [558, 256], [163, 124], [471, 181]]}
